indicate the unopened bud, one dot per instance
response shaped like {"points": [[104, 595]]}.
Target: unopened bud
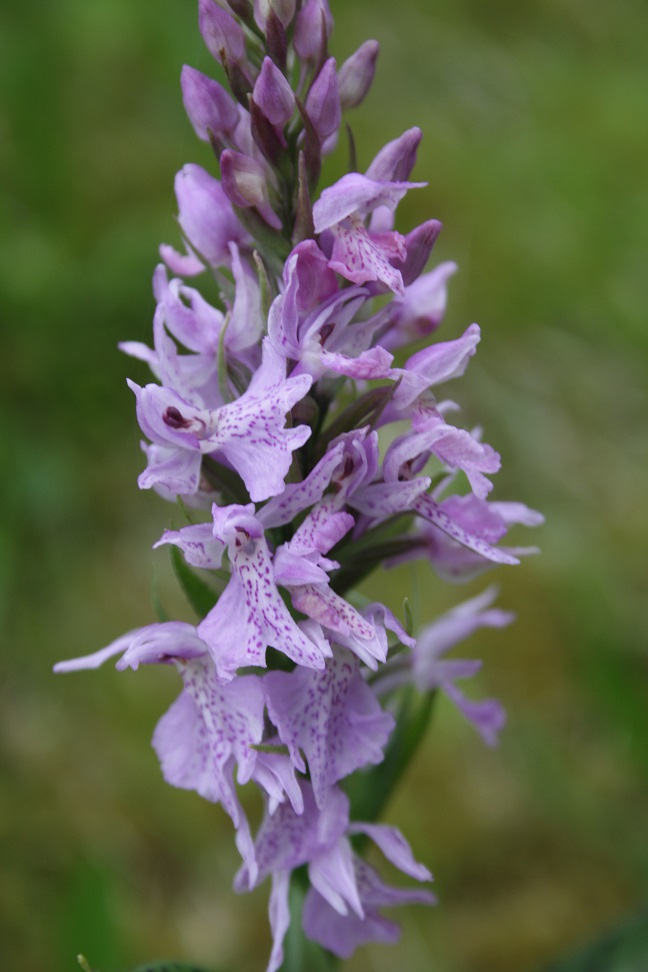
{"points": [[313, 28], [273, 94], [396, 160], [245, 183], [283, 9], [323, 102], [207, 104], [356, 75], [221, 32]]}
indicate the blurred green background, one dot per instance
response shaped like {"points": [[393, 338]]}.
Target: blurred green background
{"points": [[535, 122]]}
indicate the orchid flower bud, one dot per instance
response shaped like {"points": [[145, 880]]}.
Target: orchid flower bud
{"points": [[323, 102], [283, 9], [396, 159], [356, 75], [221, 32], [245, 184], [313, 28], [207, 104], [273, 94]]}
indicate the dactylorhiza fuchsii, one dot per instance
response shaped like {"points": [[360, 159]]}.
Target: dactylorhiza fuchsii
{"points": [[303, 458]]}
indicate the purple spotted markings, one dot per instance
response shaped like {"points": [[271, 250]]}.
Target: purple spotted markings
{"points": [[301, 457]]}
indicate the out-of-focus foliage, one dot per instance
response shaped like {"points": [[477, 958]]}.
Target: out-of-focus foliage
{"points": [[535, 149]]}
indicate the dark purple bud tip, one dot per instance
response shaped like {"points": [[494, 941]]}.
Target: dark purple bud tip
{"points": [[174, 418]]}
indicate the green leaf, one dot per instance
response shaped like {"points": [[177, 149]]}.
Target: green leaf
{"points": [[624, 949], [300, 953], [200, 595], [409, 620]]}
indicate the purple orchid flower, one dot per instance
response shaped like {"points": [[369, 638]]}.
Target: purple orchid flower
{"points": [[354, 252]]}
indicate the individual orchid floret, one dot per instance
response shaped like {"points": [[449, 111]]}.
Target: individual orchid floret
{"points": [[332, 717], [273, 94], [318, 838], [251, 616], [249, 433], [245, 182], [356, 75], [425, 667], [485, 522], [354, 252], [207, 221], [326, 339], [313, 28], [343, 934], [209, 107], [323, 105]]}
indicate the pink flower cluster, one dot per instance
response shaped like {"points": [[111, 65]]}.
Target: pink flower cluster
{"points": [[307, 458]]}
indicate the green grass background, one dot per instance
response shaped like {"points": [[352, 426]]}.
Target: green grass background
{"points": [[535, 123]]}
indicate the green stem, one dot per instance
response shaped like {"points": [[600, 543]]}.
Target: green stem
{"points": [[300, 953]]}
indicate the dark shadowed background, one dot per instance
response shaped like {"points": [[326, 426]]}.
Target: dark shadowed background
{"points": [[535, 145]]}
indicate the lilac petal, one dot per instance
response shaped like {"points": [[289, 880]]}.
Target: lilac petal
{"points": [[315, 283], [207, 104], [380, 500], [205, 731], [487, 715], [459, 450], [426, 507], [161, 644], [206, 216], [380, 614], [355, 193], [419, 244], [275, 773], [247, 322], [185, 264], [342, 935], [323, 101], [433, 365], [394, 847], [198, 544], [209, 724], [297, 497], [361, 257], [173, 471], [319, 602], [396, 160], [321, 530], [252, 433], [356, 75], [287, 840], [333, 876], [250, 616], [187, 315], [331, 716], [273, 94], [97, 658], [371, 364], [279, 912], [512, 513]]}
